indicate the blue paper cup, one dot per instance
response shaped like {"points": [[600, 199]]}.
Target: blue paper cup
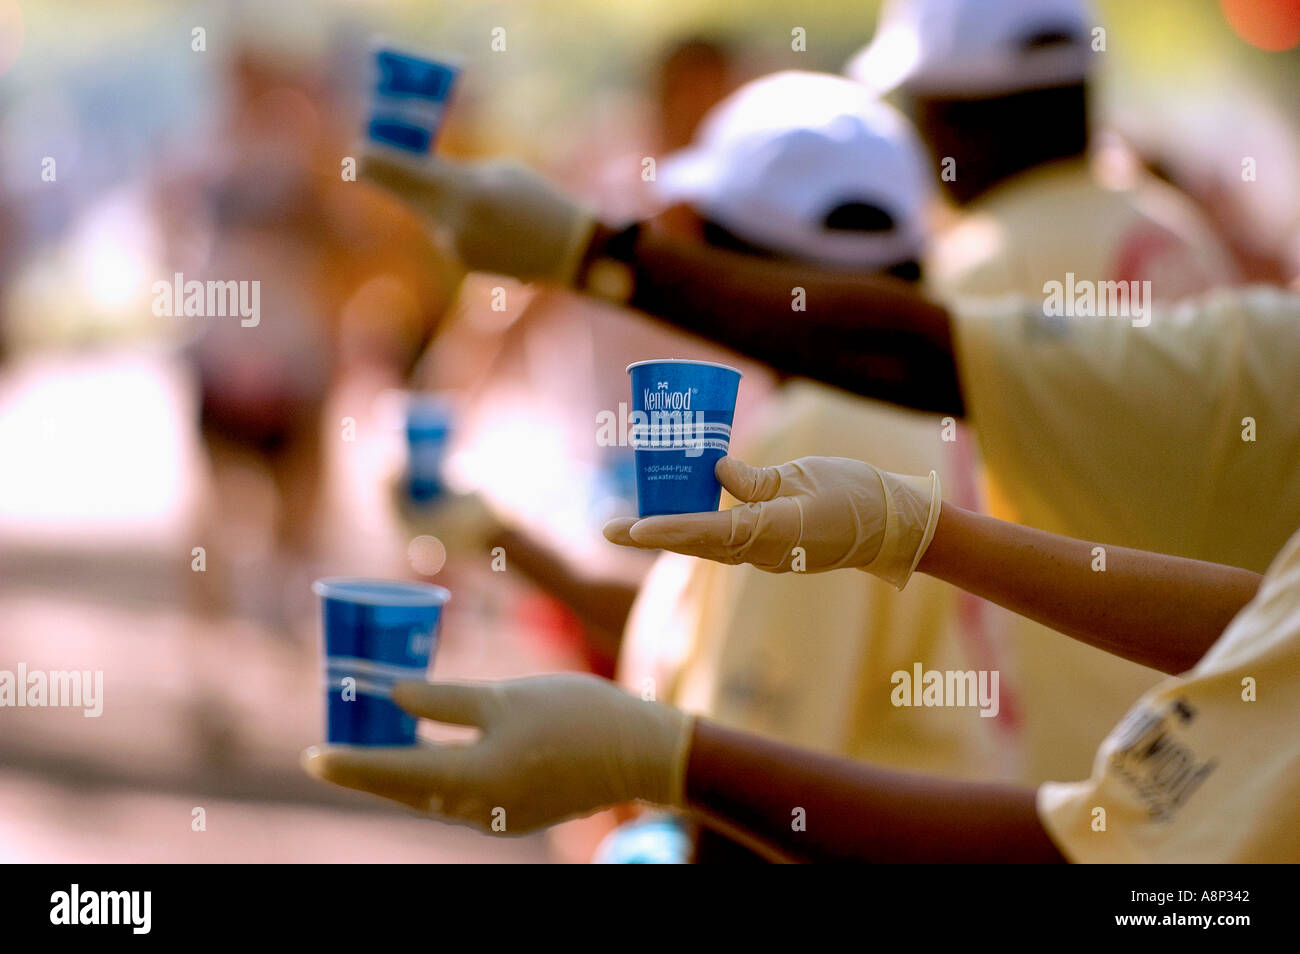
{"points": [[377, 633], [408, 99], [681, 427], [428, 432]]}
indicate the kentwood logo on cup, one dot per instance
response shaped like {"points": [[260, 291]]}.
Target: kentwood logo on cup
{"points": [[667, 423], [213, 299], [1081, 298], [945, 688], [661, 399], [53, 689], [74, 907]]}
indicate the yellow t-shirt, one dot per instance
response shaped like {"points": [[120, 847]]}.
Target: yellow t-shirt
{"points": [[1206, 766], [808, 658], [1182, 437], [1060, 223]]}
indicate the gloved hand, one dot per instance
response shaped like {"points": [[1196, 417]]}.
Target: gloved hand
{"points": [[552, 747], [501, 217], [462, 521], [841, 512]]}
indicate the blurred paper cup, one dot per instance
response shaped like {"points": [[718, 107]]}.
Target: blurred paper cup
{"points": [[428, 430], [377, 633], [681, 427], [408, 99]]}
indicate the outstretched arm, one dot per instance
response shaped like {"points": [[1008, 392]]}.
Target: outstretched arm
{"points": [[753, 790], [467, 525], [602, 604], [871, 335], [827, 513], [874, 336], [1158, 610], [553, 747]]}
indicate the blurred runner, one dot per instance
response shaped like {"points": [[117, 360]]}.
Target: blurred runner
{"points": [[345, 288], [346, 291]]}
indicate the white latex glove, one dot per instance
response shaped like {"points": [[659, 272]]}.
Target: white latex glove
{"points": [[501, 217], [552, 747], [843, 513], [462, 521]]}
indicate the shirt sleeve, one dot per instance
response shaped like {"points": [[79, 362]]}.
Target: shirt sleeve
{"points": [[1141, 428]]}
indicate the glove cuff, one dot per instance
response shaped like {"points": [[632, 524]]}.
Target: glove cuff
{"points": [[662, 755], [681, 762], [912, 506]]}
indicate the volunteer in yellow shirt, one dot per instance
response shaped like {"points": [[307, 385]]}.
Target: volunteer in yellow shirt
{"points": [[1000, 91]]}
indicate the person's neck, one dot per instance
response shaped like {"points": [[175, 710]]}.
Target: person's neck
{"points": [[981, 142], [963, 192]]}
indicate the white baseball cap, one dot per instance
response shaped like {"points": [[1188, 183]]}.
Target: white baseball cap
{"points": [[976, 47], [774, 160]]}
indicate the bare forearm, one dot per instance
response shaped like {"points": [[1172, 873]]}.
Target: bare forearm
{"points": [[873, 336], [794, 805], [1158, 610], [602, 605]]}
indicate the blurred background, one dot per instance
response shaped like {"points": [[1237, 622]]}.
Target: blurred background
{"points": [[170, 486]]}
